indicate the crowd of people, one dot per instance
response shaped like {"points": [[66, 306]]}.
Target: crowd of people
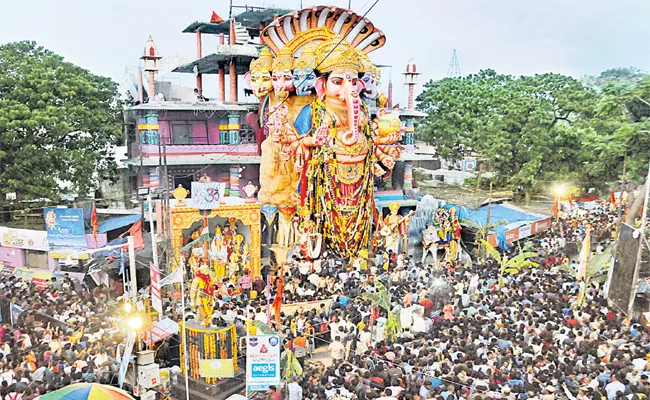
{"points": [[451, 331], [462, 335], [58, 335]]}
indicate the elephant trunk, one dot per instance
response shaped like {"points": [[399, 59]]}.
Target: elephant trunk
{"points": [[352, 102]]}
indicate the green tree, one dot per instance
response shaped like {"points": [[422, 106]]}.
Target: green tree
{"points": [[525, 128], [597, 267], [617, 139], [58, 123]]}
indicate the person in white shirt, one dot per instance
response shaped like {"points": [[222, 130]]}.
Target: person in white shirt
{"points": [[337, 350], [8, 375], [613, 387], [295, 390]]}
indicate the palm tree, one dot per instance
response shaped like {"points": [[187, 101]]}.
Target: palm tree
{"points": [[382, 298], [510, 265], [597, 267]]}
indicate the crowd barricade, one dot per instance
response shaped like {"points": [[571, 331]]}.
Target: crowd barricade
{"points": [[290, 309]]}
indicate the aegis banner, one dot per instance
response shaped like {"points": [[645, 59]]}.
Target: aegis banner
{"points": [[262, 362]]}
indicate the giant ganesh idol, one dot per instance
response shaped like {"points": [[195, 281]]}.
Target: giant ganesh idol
{"points": [[323, 148]]}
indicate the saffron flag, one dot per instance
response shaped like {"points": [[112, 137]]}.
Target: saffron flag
{"points": [[215, 19], [93, 221], [612, 197], [277, 302], [556, 206], [584, 256], [136, 231]]}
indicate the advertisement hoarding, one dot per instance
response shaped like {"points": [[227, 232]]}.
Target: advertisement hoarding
{"points": [[24, 239], [262, 362], [66, 233]]}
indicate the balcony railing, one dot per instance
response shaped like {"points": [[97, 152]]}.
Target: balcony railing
{"points": [[245, 135]]}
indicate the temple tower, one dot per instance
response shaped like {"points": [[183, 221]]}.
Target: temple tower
{"points": [[150, 58]]}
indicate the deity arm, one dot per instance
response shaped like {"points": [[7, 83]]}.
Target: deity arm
{"points": [[391, 138], [387, 160]]}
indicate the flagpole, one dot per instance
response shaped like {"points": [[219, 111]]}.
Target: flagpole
{"points": [[184, 333], [585, 278], [122, 270]]}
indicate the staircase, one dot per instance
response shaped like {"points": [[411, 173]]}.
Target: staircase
{"points": [[241, 34]]}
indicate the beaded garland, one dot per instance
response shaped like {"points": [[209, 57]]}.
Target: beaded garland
{"points": [[347, 222]]}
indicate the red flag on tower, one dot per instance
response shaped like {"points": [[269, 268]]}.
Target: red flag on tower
{"points": [[215, 19]]}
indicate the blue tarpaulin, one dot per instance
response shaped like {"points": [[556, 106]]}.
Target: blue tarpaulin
{"points": [[499, 212], [118, 222], [501, 237]]}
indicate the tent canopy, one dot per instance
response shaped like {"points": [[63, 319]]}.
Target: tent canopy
{"points": [[501, 212], [118, 222]]}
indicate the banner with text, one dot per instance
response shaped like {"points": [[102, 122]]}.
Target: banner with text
{"points": [[218, 368], [24, 239], [66, 233], [262, 362]]}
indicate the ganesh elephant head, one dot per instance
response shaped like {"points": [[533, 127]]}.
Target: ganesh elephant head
{"points": [[259, 76], [340, 90], [304, 80], [282, 75], [259, 81]]}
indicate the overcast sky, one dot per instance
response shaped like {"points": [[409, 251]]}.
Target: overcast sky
{"points": [[574, 37]]}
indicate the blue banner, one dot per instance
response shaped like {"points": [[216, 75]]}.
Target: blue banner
{"points": [[15, 312], [66, 233]]}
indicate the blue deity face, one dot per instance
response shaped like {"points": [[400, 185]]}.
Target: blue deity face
{"points": [[304, 80], [372, 90]]}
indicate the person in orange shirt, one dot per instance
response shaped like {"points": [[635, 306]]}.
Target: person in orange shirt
{"points": [[300, 348]]}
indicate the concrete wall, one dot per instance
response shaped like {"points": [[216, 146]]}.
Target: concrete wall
{"points": [[12, 256]]}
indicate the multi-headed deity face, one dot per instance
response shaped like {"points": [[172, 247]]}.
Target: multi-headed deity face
{"points": [[304, 79], [370, 80], [282, 82], [260, 83]]}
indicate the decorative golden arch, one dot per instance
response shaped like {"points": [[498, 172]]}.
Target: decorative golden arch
{"points": [[248, 214]]}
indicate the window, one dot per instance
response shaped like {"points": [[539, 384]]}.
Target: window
{"points": [[190, 132], [181, 133], [36, 259], [185, 180]]}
